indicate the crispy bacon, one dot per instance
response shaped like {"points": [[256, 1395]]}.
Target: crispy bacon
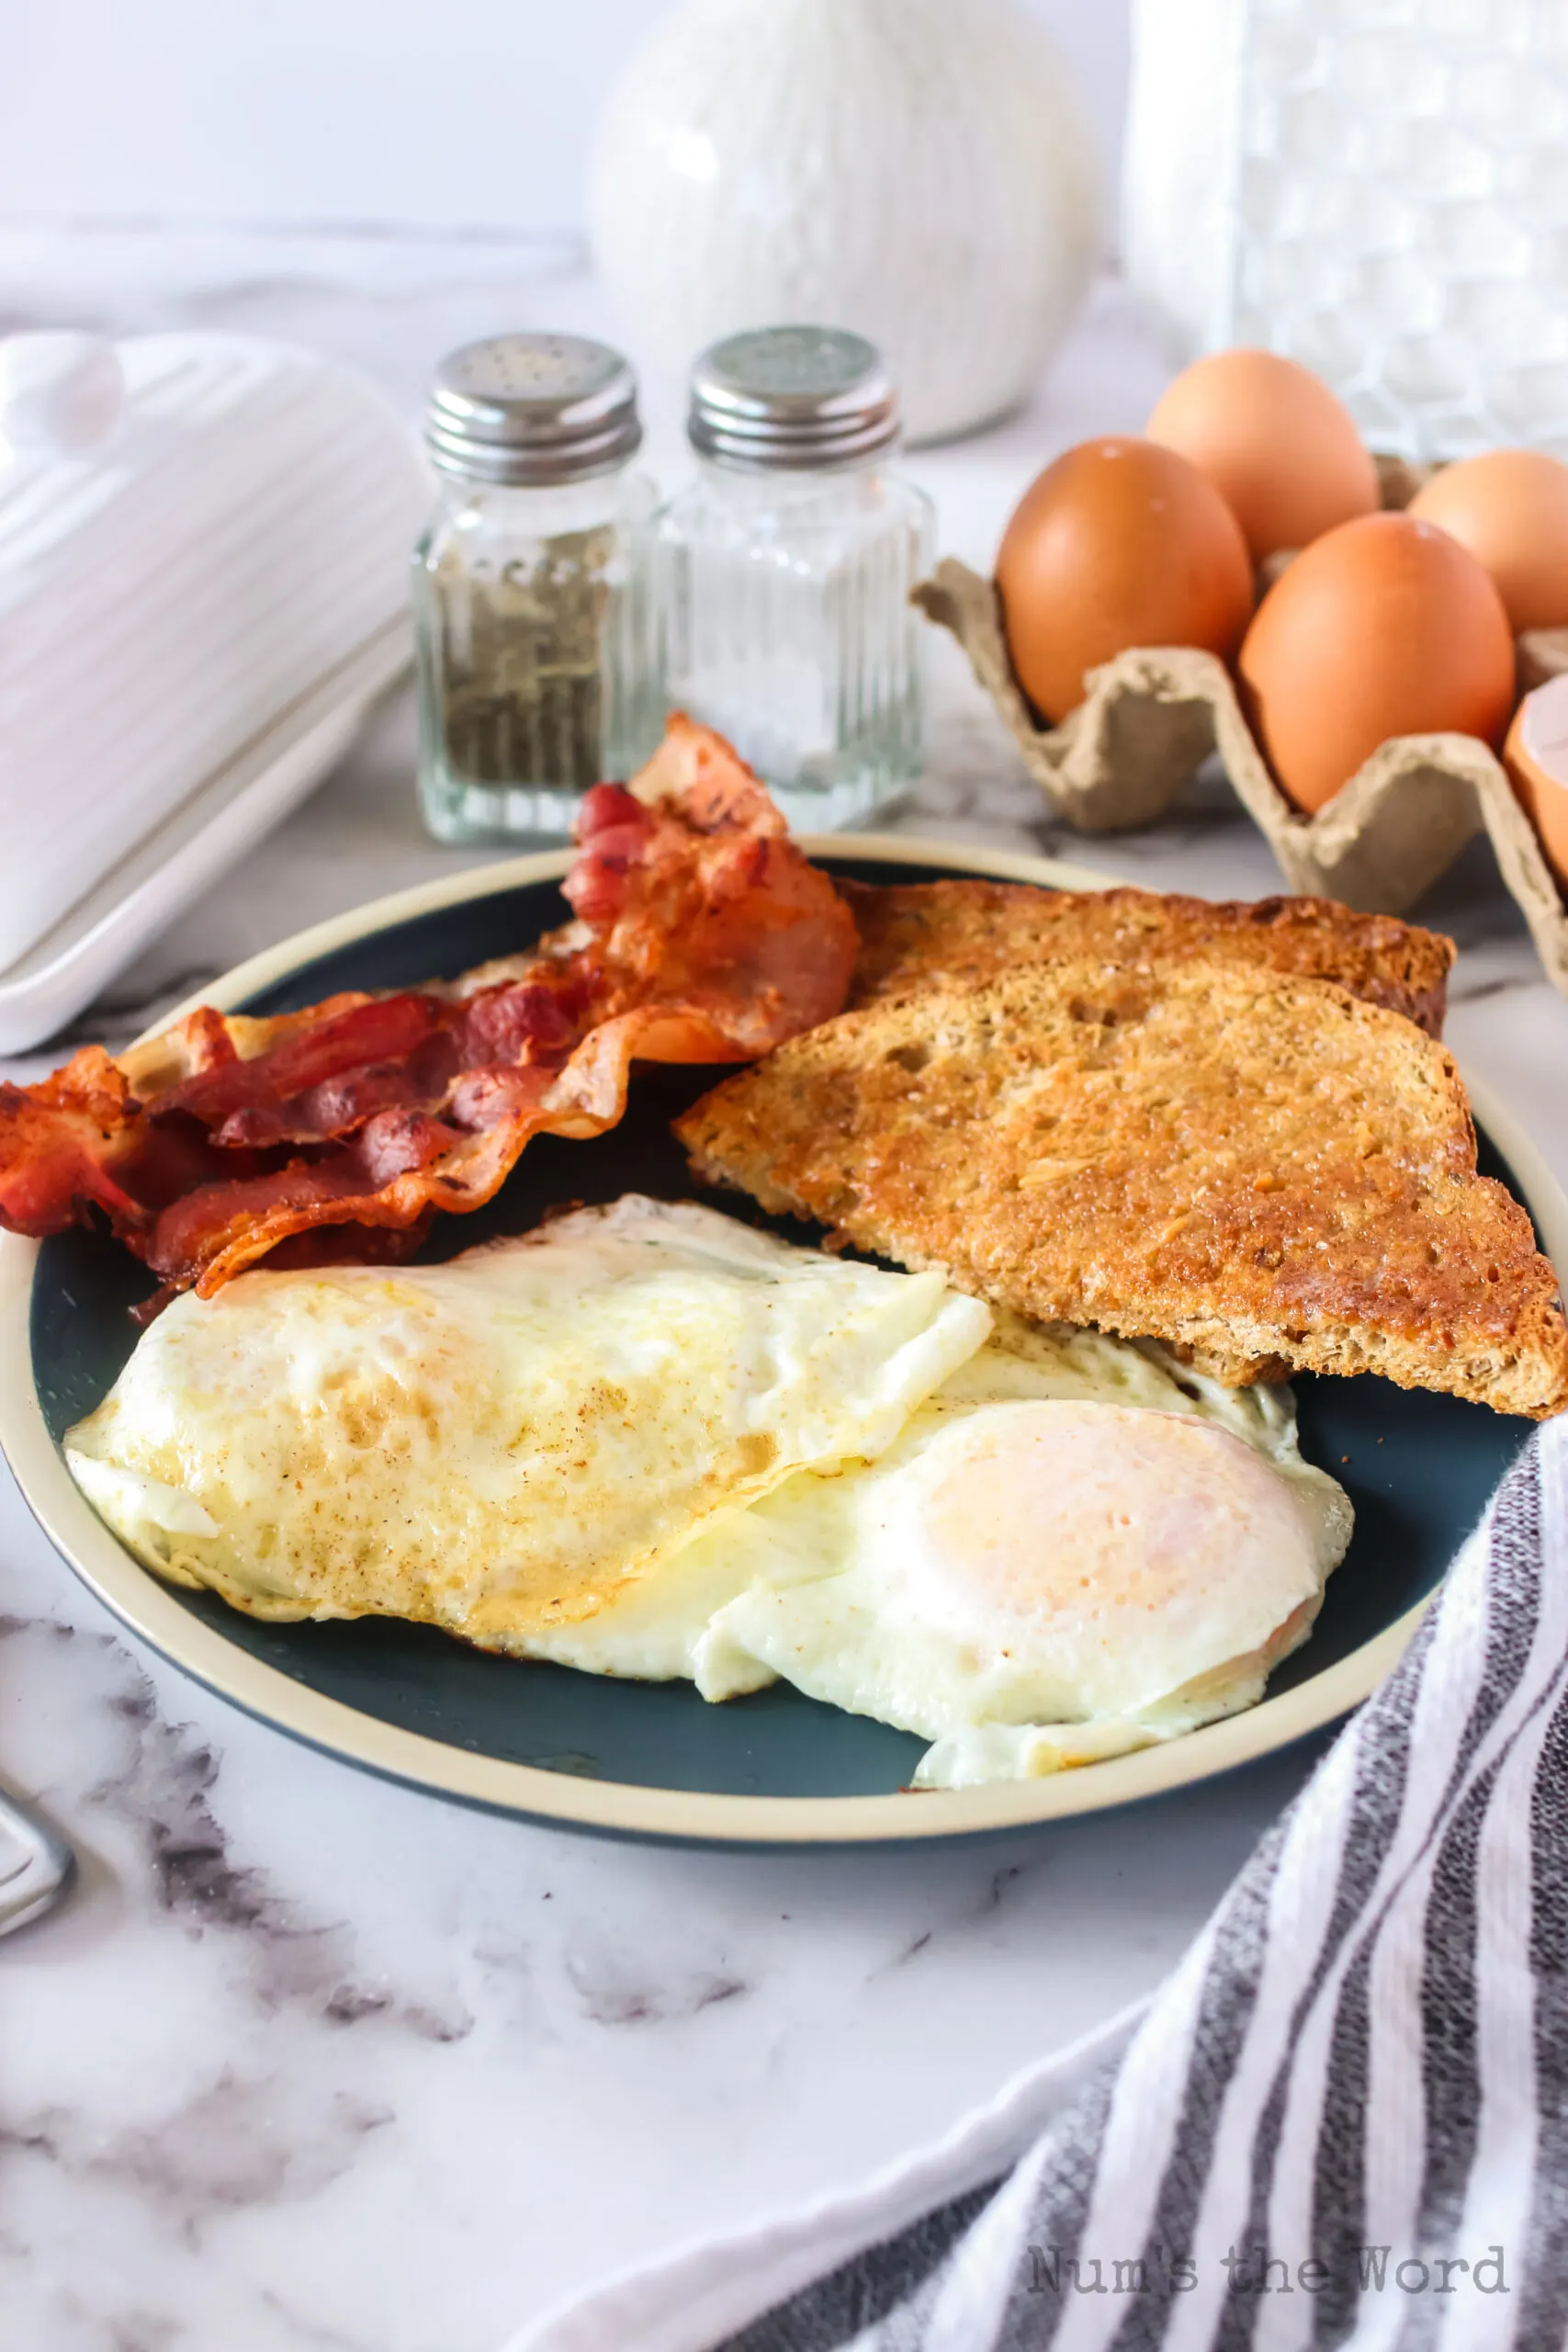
{"points": [[700, 935]]}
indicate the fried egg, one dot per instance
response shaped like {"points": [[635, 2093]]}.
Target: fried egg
{"points": [[648, 1440], [507, 1444], [1074, 1549]]}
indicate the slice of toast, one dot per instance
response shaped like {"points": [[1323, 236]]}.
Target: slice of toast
{"points": [[1256, 1169], [932, 934]]}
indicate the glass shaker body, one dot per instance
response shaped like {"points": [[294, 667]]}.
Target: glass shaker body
{"points": [[534, 651], [785, 622]]}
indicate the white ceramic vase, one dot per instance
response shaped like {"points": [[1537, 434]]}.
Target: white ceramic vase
{"points": [[917, 170]]}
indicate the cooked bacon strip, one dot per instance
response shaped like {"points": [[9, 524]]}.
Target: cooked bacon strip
{"points": [[700, 935]]}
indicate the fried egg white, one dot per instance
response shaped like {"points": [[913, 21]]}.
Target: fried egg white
{"points": [[651, 1441], [509, 1445], [1073, 1550]]}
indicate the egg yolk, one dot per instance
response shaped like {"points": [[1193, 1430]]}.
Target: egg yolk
{"points": [[1092, 1510]]}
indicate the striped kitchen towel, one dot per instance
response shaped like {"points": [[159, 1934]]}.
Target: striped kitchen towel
{"points": [[1342, 2121]]}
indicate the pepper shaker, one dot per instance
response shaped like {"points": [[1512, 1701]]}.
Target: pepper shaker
{"points": [[531, 590]]}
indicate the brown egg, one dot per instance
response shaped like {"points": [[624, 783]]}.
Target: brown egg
{"points": [[1384, 627], [1536, 756], [1510, 509], [1118, 543], [1278, 446]]}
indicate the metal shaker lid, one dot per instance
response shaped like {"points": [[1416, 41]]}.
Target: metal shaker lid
{"points": [[531, 409], [792, 396]]}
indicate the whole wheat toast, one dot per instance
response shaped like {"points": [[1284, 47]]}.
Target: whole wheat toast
{"points": [[1257, 1168], [932, 934]]}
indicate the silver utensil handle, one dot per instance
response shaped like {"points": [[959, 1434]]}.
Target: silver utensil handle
{"points": [[35, 1867]]}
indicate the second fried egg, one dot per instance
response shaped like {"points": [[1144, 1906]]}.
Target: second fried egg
{"points": [[1073, 1550]]}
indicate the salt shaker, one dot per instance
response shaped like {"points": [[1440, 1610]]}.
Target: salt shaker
{"points": [[530, 588], [783, 571]]}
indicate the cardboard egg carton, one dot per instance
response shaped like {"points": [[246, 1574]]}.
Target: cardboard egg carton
{"points": [[1155, 714]]}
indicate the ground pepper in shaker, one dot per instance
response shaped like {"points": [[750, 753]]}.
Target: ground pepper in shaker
{"points": [[783, 571], [530, 588]]}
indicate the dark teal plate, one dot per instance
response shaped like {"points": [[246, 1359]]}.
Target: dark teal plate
{"points": [[655, 1757]]}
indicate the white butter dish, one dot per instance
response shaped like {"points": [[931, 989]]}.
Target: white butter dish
{"points": [[208, 833], [203, 537]]}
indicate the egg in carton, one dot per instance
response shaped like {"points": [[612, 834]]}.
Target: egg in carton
{"points": [[1155, 714]]}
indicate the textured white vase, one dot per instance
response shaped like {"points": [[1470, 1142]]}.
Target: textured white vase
{"points": [[921, 171]]}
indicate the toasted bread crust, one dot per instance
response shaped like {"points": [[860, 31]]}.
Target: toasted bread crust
{"points": [[934, 934], [1243, 1164]]}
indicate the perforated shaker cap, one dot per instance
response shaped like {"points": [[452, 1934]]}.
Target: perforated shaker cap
{"points": [[792, 396], [533, 409]]}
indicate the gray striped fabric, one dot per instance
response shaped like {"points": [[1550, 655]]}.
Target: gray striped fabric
{"points": [[1344, 2120]]}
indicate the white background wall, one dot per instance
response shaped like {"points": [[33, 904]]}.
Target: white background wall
{"points": [[434, 113]]}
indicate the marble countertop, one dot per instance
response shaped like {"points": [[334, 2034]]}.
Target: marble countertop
{"points": [[311, 2063]]}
